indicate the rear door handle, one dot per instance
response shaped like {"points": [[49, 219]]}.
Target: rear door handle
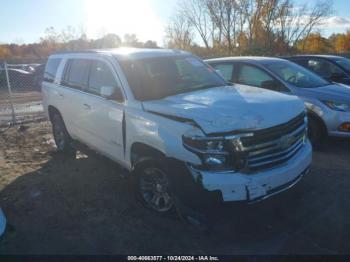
{"points": [[87, 107], [61, 95]]}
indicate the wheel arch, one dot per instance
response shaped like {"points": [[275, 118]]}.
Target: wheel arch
{"points": [[141, 151], [311, 114], [53, 110]]}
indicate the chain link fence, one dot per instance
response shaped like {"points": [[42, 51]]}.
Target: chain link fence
{"points": [[20, 93]]}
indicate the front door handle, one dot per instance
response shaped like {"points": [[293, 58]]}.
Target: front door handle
{"points": [[87, 107], [60, 95]]}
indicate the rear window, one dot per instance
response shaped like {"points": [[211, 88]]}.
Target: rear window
{"points": [[51, 69]]}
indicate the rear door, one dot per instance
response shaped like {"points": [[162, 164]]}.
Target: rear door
{"points": [[74, 81]]}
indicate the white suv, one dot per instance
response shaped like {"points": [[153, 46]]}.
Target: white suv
{"points": [[173, 121]]}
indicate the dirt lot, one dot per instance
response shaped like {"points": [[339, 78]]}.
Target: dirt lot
{"points": [[83, 206]]}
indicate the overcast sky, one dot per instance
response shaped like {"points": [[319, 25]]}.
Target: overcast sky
{"points": [[24, 21]]}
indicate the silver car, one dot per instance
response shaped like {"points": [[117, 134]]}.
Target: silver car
{"points": [[328, 104]]}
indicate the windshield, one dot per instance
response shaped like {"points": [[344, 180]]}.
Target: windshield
{"points": [[344, 63], [296, 75], [156, 78]]}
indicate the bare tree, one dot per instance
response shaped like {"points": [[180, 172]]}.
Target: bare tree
{"points": [[196, 12], [263, 26], [179, 33], [224, 14], [296, 23]]}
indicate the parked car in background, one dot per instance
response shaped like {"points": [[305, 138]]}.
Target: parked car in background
{"points": [[332, 68], [19, 79], [172, 121], [328, 104]]}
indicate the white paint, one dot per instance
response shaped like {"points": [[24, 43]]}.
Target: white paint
{"points": [[215, 110]]}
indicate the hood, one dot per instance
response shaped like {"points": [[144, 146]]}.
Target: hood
{"points": [[231, 108], [330, 92]]}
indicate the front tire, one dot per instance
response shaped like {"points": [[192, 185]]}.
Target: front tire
{"points": [[153, 186], [61, 136], [316, 132]]}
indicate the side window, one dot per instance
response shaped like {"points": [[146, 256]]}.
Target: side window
{"points": [[253, 76], [324, 68], [102, 76], [77, 73], [301, 61], [226, 70], [51, 69]]}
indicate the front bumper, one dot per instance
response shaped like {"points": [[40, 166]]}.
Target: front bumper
{"points": [[254, 187]]}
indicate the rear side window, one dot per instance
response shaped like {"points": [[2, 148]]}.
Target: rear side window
{"points": [[77, 73], [100, 75], [51, 69], [226, 71]]}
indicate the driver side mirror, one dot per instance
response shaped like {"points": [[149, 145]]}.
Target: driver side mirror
{"points": [[107, 91], [111, 93]]}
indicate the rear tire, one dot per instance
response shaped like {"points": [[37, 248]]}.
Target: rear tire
{"points": [[316, 132], [62, 139]]}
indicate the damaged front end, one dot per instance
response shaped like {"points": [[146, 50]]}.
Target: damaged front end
{"points": [[218, 153], [251, 165]]}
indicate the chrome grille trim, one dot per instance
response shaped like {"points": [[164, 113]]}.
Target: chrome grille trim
{"points": [[290, 153], [295, 145], [272, 147], [250, 148]]}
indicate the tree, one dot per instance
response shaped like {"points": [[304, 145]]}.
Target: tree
{"points": [[4, 52], [224, 14], [131, 41], [298, 23], [108, 41], [196, 14], [179, 33], [150, 44], [314, 44], [340, 42], [269, 26]]}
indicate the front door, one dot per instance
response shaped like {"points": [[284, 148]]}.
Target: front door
{"points": [[103, 117]]}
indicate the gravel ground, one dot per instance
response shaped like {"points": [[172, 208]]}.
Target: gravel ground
{"points": [[83, 206], [27, 106]]}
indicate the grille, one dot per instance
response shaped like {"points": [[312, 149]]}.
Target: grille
{"points": [[274, 146]]}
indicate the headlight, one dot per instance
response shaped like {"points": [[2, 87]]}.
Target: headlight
{"points": [[338, 106], [213, 151]]}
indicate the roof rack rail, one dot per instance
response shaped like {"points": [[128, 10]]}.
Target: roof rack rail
{"points": [[74, 52]]}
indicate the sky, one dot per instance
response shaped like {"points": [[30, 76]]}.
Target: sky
{"points": [[25, 21]]}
